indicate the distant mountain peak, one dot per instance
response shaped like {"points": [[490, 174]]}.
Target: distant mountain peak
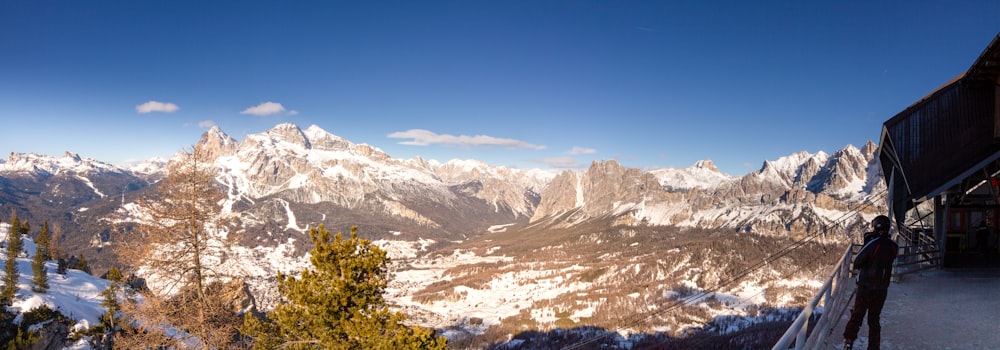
{"points": [[706, 164], [215, 142], [322, 139], [318, 132], [869, 147], [849, 148], [289, 132], [71, 155], [217, 132], [286, 126], [606, 165]]}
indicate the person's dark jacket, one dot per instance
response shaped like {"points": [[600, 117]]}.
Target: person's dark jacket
{"points": [[874, 262]]}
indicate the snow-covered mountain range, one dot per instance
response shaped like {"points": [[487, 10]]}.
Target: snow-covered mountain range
{"points": [[291, 178], [479, 245]]}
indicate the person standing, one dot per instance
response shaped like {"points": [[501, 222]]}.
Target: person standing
{"points": [[983, 238], [874, 270]]}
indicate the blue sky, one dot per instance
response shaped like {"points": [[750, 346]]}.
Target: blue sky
{"points": [[515, 83]]}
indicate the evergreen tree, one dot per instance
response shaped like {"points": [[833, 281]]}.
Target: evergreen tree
{"points": [[14, 243], [44, 240], [110, 297], [339, 303], [8, 330], [40, 283], [24, 339], [14, 247], [81, 264]]}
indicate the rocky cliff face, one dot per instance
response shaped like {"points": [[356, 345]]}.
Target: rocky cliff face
{"points": [[795, 195]]}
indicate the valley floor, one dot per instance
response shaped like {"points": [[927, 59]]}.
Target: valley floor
{"points": [[938, 309]]}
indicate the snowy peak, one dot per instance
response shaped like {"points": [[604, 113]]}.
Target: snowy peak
{"points": [[149, 167], [289, 139], [702, 174], [788, 167], [39, 164], [216, 133], [290, 133], [779, 198], [605, 188], [42, 184], [72, 156], [869, 149], [845, 174], [706, 164], [322, 139], [286, 167], [842, 174], [216, 142]]}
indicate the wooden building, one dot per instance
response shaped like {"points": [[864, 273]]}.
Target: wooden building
{"points": [[941, 161]]}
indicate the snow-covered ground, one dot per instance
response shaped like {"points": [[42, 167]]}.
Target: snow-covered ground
{"points": [[510, 289], [77, 294], [518, 287]]}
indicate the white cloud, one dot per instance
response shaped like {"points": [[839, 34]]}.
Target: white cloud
{"points": [[581, 150], [263, 109], [206, 124], [560, 162], [156, 106], [293, 112], [425, 138]]}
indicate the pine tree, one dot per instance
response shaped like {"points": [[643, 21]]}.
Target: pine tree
{"points": [[8, 329], [339, 303], [11, 274], [7, 326], [44, 240], [40, 283], [24, 339], [110, 297], [14, 243], [81, 264]]}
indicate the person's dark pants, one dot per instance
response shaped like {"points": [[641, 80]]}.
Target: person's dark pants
{"points": [[867, 300], [983, 242]]}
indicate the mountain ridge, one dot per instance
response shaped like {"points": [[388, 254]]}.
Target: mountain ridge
{"points": [[475, 245], [311, 176]]}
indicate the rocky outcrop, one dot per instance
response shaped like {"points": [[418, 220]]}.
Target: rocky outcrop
{"points": [[795, 195], [517, 189], [214, 143]]}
